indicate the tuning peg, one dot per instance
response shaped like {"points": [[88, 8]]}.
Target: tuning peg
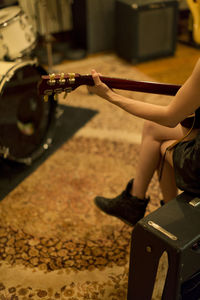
{"points": [[71, 78], [62, 79], [65, 95], [46, 98], [52, 80], [67, 91]]}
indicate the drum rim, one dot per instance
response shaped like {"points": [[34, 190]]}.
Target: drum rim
{"points": [[12, 69], [14, 18]]}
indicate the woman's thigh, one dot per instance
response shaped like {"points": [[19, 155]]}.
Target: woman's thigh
{"points": [[167, 143]]}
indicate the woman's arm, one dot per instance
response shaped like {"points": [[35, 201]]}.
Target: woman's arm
{"points": [[186, 101]]}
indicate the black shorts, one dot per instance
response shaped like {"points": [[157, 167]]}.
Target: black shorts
{"points": [[186, 159]]}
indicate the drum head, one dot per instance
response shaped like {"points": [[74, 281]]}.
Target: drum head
{"points": [[25, 118]]}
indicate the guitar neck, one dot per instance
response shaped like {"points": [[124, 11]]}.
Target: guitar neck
{"points": [[56, 83], [132, 85]]}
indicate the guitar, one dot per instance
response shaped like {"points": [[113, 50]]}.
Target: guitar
{"points": [[194, 6], [54, 84]]}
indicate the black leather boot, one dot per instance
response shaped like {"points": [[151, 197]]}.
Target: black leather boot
{"points": [[126, 207]]}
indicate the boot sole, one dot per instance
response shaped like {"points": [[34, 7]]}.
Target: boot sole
{"points": [[125, 221]]}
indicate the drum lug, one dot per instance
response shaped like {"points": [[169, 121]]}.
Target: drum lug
{"points": [[9, 76], [4, 151], [47, 144], [59, 112], [27, 161]]}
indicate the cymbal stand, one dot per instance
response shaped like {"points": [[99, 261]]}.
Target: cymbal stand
{"points": [[47, 38]]}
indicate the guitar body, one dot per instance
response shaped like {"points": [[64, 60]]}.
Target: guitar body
{"points": [[194, 6]]}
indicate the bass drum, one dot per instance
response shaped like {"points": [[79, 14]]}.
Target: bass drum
{"points": [[27, 122]]}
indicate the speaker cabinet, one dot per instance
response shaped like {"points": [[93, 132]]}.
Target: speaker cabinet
{"points": [[175, 229], [93, 23], [145, 29]]}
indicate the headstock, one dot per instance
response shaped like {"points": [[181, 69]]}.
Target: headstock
{"points": [[54, 84]]}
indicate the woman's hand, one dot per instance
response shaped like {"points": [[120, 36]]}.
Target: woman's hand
{"points": [[99, 87]]}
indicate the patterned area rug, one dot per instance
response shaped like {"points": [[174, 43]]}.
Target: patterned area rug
{"points": [[54, 243]]}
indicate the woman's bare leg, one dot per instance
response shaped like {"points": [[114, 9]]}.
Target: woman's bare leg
{"points": [[168, 183], [150, 155]]}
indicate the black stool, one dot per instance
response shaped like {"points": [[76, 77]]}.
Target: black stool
{"points": [[174, 228]]}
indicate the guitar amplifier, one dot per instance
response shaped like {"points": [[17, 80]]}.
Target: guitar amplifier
{"points": [[93, 24], [145, 29], [175, 229]]}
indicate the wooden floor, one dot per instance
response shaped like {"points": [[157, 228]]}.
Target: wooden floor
{"points": [[173, 69]]}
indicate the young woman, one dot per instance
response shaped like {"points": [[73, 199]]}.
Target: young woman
{"points": [[165, 125]]}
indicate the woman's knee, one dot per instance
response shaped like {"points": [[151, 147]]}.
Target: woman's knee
{"points": [[150, 129], [160, 133]]}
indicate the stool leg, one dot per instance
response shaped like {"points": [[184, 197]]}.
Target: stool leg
{"points": [[144, 259]]}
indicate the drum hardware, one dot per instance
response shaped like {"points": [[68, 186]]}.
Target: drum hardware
{"points": [[59, 112], [7, 77], [27, 161], [26, 128], [47, 144], [48, 39], [4, 151]]}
